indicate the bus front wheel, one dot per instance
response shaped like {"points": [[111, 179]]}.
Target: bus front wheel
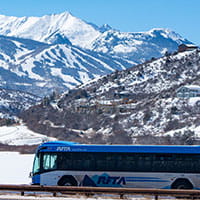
{"points": [[67, 181], [182, 183]]}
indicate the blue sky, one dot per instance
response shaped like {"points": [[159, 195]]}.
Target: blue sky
{"points": [[182, 16]]}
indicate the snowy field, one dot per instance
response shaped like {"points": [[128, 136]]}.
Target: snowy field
{"points": [[3, 197], [21, 135], [15, 168]]}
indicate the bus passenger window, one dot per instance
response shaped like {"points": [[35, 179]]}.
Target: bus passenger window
{"points": [[49, 161]]}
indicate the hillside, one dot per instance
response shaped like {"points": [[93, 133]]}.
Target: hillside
{"points": [[13, 102], [137, 105]]}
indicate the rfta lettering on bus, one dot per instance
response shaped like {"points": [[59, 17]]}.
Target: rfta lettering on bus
{"points": [[114, 180], [63, 149]]}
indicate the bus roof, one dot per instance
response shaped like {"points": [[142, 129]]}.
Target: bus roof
{"points": [[64, 146]]}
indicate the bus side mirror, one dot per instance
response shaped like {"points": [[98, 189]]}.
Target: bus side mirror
{"points": [[30, 174]]}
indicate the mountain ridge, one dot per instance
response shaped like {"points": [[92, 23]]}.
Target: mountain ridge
{"points": [[63, 23]]}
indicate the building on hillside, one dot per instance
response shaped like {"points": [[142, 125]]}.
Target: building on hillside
{"points": [[188, 91], [187, 47]]}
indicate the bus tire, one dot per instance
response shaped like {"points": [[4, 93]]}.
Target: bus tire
{"points": [[67, 181], [182, 183]]}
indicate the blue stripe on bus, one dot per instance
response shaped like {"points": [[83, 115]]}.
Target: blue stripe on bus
{"points": [[74, 147], [144, 180], [137, 177], [150, 180]]}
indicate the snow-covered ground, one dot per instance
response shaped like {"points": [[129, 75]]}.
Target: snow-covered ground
{"points": [[21, 135], [15, 168], [17, 197]]}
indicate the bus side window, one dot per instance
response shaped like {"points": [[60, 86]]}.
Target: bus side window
{"points": [[110, 162], [65, 161], [49, 161], [88, 162]]}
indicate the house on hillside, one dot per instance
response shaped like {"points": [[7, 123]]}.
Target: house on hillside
{"points": [[187, 47], [188, 91]]}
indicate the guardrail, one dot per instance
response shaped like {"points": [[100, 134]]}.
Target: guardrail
{"points": [[192, 194]]}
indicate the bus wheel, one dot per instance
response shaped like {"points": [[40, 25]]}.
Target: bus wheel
{"points": [[182, 183], [67, 181]]}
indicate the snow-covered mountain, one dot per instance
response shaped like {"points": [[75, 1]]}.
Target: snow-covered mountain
{"points": [[60, 51], [138, 47], [50, 59], [41, 68], [45, 28], [78, 32], [137, 105]]}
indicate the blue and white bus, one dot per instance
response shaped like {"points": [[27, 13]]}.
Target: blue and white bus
{"points": [[139, 166]]}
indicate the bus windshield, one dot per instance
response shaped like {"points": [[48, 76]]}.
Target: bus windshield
{"points": [[36, 164]]}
